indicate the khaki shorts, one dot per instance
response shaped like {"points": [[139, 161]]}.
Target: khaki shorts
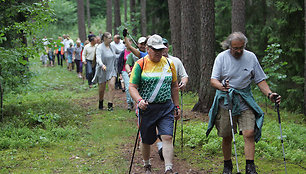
{"points": [[246, 121]]}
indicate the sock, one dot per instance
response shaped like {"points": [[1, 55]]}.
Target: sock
{"points": [[147, 162], [159, 145], [168, 167], [228, 163], [249, 161]]}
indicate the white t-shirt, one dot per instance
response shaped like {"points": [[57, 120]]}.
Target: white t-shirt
{"points": [[240, 72], [179, 67], [120, 46]]}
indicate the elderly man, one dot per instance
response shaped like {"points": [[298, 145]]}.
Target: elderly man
{"points": [[233, 71], [153, 85]]}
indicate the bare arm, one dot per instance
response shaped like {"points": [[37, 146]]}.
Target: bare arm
{"points": [[130, 47], [133, 89], [175, 97], [128, 69], [183, 83], [265, 89]]}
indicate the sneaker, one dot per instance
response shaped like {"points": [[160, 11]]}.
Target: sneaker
{"points": [[250, 169], [160, 153], [147, 169]]}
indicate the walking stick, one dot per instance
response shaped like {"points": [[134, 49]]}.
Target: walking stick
{"points": [[175, 112], [182, 128], [280, 128], [135, 143], [174, 131], [230, 107]]}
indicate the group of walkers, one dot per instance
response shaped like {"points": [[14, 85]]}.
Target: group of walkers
{"points": [[154, 87], [65, 50], [152, 80]]}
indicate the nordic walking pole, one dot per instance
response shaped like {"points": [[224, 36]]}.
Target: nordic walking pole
{"points": [[125, 33], [182, 131], [174, 131], [230, 107], [280, 128], [133, 40], [175, 112], [135, 143]]}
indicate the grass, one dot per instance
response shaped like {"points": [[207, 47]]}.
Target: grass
{"points": [[55, 127]]}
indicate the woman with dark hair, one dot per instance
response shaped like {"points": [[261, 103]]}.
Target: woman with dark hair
{"points": [[105, 69]]}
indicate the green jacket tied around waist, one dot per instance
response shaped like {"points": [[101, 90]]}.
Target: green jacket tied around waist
{"points": [[247, 96]]}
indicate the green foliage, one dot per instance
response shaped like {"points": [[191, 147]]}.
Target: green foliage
{"points": [[269, 147], [273, 66], [13, 69]]}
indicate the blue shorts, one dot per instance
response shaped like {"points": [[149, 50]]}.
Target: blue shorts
{"points": [[157, 115]]}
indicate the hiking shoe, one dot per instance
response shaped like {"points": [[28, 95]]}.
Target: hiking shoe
{"points": [[227, 170], [160, 153], [110, 107], [250, 169], [101, 105], [147, 169]]}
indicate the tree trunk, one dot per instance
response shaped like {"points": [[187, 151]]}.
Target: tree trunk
{"points": [[238, 15], [206, 91], [125, 10], [1, 98], [109, 16], [132, 17], [175, 26], [190, 33], [117, 16], [81, 21], [305, 57], [88, 14], [143, 22]]}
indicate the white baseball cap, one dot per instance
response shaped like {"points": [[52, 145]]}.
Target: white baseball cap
{"points": [[156, 42], [142, 40]]}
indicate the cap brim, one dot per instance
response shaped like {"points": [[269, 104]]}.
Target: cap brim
{"points": [[158, 47]]}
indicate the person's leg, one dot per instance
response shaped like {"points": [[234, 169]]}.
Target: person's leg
{"points": [[111, 89], [247, 124], [167, 151], [126, 79], [58, 59], [110, 93], [224, 128], [90, 73], [101, 94]]}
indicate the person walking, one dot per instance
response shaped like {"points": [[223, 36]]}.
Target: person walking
{"points": [[131, 59], [77, 58], [70, 59], [125, 76], [153, 85], [60, 51], [106, 70], [233, 71], [88, 55], [142, 52], [182, 81]]}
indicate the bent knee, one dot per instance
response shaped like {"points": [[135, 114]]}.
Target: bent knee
{"points": [[166, 138], [248, 134]]}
